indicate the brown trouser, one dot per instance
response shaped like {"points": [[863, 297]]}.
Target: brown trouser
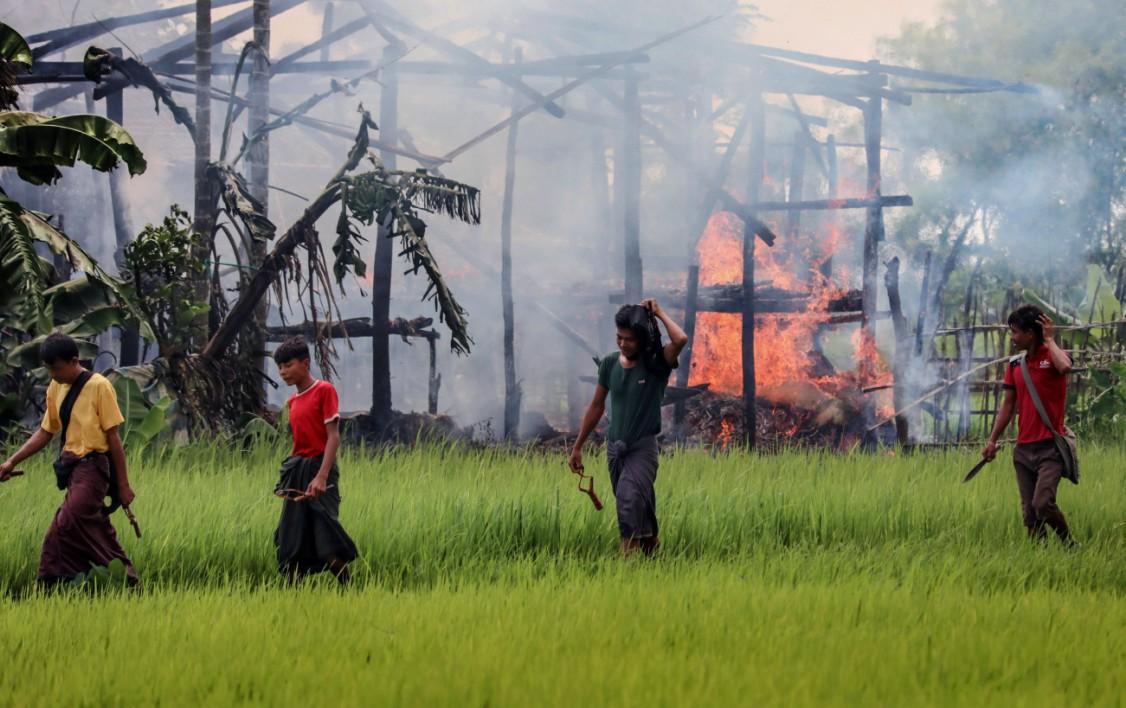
{"points": [[81, 534], [1039, 468]]}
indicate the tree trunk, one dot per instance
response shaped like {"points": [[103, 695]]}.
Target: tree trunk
{"points": [[123, 230], [253, 292], [204, 222], [253, 343], [384, 254], [512, 393]]}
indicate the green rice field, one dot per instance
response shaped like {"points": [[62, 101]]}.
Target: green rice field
{"points": [[487, 579]]}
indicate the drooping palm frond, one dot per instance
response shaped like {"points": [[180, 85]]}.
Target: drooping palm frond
{"points": [[98, 63], [39, 229], [442, 196], [412, 232], [21, 265], [239, 203], [37, 145], [247, 49]]}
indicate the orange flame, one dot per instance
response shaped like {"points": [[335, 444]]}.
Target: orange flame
{"points": [[785, 355]]}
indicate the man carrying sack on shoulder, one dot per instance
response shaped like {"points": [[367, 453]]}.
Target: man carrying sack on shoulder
{"points": [[1036, 388]]}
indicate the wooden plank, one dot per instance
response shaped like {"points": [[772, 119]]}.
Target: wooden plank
{"points": [[354, 327]]}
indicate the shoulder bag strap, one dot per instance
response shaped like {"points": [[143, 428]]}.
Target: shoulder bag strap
{"points": [[68, 404]]}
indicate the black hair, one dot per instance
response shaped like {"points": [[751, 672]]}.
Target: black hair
{"points": [[1027, 319], [290, 349], [58, 347], [641, 322]]}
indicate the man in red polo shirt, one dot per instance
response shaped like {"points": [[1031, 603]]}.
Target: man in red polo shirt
{"points": [[1039, 465]]}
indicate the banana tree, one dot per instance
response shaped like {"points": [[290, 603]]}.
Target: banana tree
{"points": [[33, 300]]}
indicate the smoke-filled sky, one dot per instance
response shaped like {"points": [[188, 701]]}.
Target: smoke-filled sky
{"points": [[837, 27], [566, 231]]}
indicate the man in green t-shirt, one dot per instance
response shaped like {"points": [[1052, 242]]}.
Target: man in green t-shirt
{"points": [[635, 378]]}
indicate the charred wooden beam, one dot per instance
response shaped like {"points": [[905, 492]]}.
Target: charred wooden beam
{"points": [[878, 202], [59, 39], [327, 39], [355, 327], [890, 69], [393, 18], [729, 298], [174, 51]]}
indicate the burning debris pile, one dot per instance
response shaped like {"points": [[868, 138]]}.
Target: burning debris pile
{"points": [[802, 398], [794, 415]]}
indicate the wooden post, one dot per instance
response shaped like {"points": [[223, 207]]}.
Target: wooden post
{"points": [[258, 159], [873, 234], [123, 231], [384, 252], [327, 23], [631, 191], [797, 180], [902, 350], [691, 305], [605, 208], [924, 303], [204, 219], [758, 158], [435, 378], [833, 179], [512, 393], [691, 309]]}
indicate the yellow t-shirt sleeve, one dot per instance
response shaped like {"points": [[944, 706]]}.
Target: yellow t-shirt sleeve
{"points": [[51, 422], [109, 415]]}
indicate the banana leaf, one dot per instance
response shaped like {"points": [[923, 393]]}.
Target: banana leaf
{"points": [[37, 145], [1099, 304], [143, 421], [98, 63], [239, 203], [13, 47]]}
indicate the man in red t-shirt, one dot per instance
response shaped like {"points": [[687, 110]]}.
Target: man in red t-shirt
{"points": [[1039, 465], [309, 537]]}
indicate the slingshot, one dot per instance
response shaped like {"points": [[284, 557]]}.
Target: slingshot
{"points": [[132, 520], [13, 473], [296, 495], [589, 488]]}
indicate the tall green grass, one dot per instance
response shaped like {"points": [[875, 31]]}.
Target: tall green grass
{"points": [[486, 578]]}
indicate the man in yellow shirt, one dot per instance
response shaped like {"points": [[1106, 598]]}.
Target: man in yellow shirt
{"points": [[90, 461]]}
